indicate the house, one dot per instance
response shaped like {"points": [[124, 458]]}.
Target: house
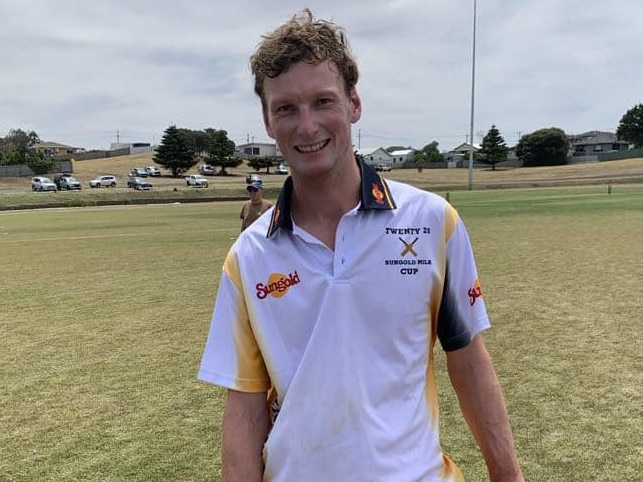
{"points": [[55, 149], [588, 145], [401, 156], [258, 149], [464, 149], [375, 156], [459, 155]]}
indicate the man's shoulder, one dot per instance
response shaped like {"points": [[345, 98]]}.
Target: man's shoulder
{"points": [[405, 193]]}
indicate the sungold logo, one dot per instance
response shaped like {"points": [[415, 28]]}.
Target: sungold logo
{"points": [[475, 292], [278, 285]]}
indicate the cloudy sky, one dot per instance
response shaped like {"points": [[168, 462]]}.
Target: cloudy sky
{"points": [[78, 72]]}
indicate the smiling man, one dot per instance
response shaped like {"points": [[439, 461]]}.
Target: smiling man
{"points": [[327, 313]]}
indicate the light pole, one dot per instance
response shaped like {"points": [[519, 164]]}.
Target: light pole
{"points": [[473, 90]]}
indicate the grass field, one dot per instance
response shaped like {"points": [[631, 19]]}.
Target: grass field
{"points": [[104, 313]]}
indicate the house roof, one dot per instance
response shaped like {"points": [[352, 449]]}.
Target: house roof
{"points": [[465, 147], [45, 145], [257, 144], [594, 137], [402, 152], [367, 151]]}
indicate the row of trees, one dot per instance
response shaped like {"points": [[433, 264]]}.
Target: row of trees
{"points": [[544, 147], [182, 149]]}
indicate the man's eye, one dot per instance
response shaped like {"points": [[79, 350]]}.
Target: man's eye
{"points": [[283, 108]]}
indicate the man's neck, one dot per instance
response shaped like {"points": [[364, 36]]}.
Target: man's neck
{"points": [[318, 205]]}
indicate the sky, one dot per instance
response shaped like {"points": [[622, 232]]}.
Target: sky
{"points": [[91, 73]]}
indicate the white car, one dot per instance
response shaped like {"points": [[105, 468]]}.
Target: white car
{"points": [[42, 184], [196, 180], [103, 181], [281, 169], [153, 171]]}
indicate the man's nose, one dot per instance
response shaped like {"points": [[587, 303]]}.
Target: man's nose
{"points": [[307, 124]]}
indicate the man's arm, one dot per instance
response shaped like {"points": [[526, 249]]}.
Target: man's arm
{"points": [[245, 428], [483, 406]]}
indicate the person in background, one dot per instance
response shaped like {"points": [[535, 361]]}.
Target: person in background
{"points": [[255, 206], [333, 302]]}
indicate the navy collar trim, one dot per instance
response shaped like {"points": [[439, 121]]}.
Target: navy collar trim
{"points": [[374, 195]]}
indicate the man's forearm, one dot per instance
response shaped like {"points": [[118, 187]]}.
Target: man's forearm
{"points": [[483, 407], [245, 428]]}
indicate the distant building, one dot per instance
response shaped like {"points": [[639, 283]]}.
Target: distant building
{"points": [[134, 147], [588, 145], [258, 149], [55, 149], [401, 156], [375, 156], [459, 155]]}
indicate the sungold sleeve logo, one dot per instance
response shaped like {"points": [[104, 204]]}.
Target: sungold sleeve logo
{"points": [[278, 285], [475, 292]]}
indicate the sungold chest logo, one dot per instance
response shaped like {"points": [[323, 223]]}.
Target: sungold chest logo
{"points": [[278, 285]]}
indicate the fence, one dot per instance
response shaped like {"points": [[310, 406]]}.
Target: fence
{"points": [[613, 156], [22, 170]]}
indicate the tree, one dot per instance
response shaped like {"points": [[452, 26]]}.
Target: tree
{"points": [[429, 153], [258, 163], [544, 147], [37, 162], [17, 144], [221, 150], [630, 128], [176, 151], [494, 149]]}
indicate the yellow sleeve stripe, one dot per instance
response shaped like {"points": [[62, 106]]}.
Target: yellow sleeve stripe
{"points": [[450, 221]]}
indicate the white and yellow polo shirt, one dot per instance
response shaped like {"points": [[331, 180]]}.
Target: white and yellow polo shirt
{"points": [[346, 338]]}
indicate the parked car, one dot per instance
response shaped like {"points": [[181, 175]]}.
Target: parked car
{"points": [[383, 167], [139, 183], [196, 180], [281, 169], [253, 177], [58, 177], [40, 184], [153, 171], [206, 170], [138, 172], [69, 183], [103, 181]]}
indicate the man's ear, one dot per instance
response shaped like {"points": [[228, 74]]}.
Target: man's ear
{"points": [[356, 114]]}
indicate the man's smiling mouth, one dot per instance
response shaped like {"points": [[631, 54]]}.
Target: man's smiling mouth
{"points": [[312, 147]]}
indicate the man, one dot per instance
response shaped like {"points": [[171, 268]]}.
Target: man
{"points": [[333, 303], [255, 207]]}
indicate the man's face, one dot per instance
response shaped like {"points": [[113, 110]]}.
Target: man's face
{"points": [[308, 112], [255, 194]]}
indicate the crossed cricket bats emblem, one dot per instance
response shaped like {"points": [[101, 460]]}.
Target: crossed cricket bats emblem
{"points": [[409, 247]]}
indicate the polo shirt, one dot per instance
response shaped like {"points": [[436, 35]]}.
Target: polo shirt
{"points": [[345, 338]]}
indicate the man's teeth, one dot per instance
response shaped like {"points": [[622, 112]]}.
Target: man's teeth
{"points": [[312, 147]]}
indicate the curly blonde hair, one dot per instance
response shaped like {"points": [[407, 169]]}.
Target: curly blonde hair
{"points": [[303, 39]]}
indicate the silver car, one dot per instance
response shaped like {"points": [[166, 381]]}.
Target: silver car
{"points": [[41, 184]]}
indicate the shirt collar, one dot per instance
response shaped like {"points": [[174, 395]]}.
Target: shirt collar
{"points": [[374, 195]]}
